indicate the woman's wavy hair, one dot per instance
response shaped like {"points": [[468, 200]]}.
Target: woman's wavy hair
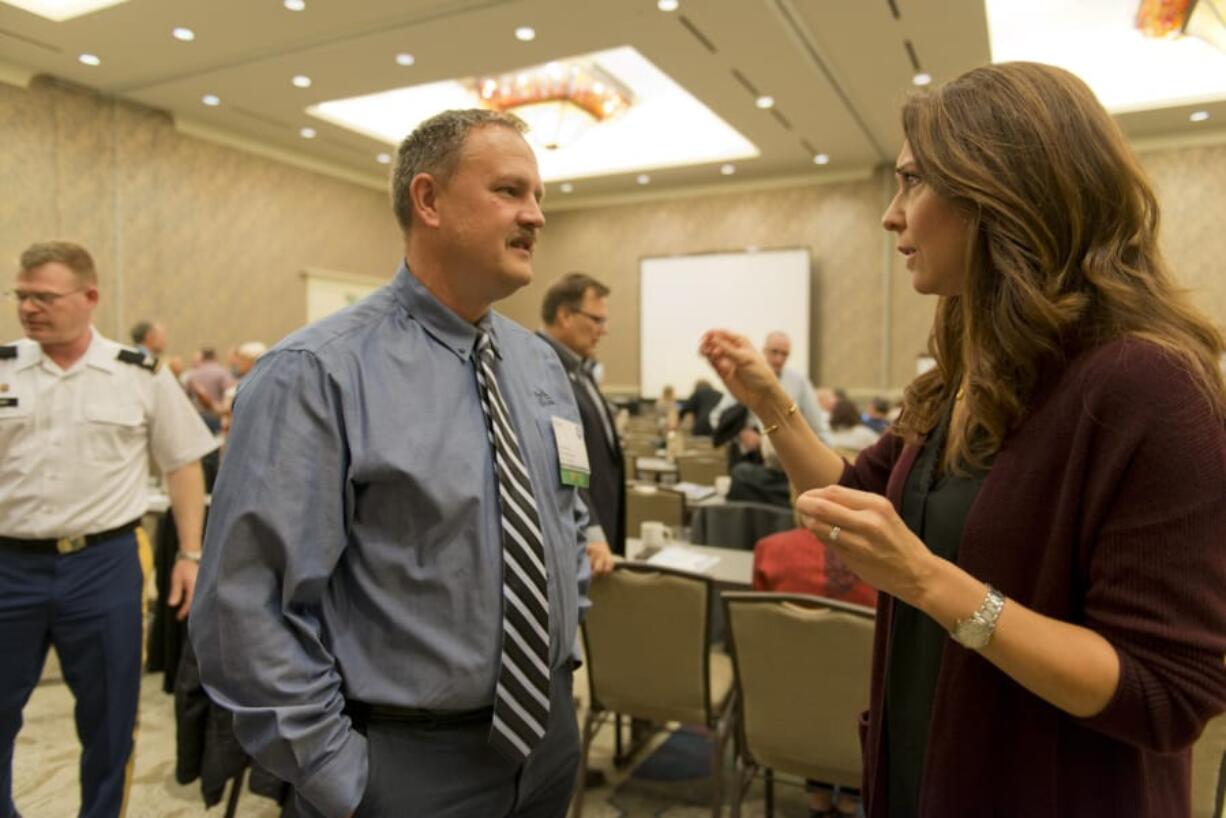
{"points": [[1062, 249]]}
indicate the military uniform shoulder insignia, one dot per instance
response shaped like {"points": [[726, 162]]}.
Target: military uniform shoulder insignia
{"points": [[8, 351], [138, 358]]}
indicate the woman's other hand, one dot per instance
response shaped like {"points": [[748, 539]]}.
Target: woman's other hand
{"points": [[871, 538]]}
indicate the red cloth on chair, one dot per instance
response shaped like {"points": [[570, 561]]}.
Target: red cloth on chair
{"points": [[797, 562]]}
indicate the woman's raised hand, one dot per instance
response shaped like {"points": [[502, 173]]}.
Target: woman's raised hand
{"points": [[739, 365]]}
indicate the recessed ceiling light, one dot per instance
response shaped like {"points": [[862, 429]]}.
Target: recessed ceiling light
{"points": [[566, 187], [405, 58], [384, 159], [307, 133], [212, 100], [61, 10], [821, 159], [644, 179], [667, 5], [921, 78], [301, 81], [184, 34], [1198, 116], [728, 170], [764, 102], [295, 5], [525, 34], [90, 59]]}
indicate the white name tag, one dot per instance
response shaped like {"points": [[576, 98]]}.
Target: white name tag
{"points": [[572, 453]]}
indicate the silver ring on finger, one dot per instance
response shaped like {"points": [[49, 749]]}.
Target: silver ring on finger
{"points": [[835, 531]]}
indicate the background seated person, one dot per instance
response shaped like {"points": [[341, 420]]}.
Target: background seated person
{"points": [[847, 430], [764, 482], [877, 415], [698, 405]]}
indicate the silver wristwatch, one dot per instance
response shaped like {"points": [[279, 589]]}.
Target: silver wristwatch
{"points": [[975, 632]]}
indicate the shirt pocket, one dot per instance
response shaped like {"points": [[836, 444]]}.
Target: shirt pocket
{"points": [[112, 431], [16, 426]]}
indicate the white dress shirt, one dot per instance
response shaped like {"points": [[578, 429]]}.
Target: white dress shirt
{"points": [[75, 444]]}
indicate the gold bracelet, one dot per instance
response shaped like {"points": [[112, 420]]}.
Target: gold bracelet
{"points": [[774, 427], [190, 556]]}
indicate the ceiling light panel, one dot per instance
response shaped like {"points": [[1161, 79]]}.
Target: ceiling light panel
{"points": [[1097, 40], [60, 10], [666, 126]]}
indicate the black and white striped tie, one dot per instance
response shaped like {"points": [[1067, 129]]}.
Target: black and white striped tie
{"points": [[521, 702]]}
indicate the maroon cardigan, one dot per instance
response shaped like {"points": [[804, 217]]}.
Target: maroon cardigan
{"points": [[1106, 508]]}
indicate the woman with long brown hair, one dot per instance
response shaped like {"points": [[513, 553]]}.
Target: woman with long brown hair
{"points": [[1046, 519]]}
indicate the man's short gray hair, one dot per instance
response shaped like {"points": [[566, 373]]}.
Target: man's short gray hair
{"points": [[434, 148]]}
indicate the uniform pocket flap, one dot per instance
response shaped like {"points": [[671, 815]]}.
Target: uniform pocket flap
{"points": [[120, 415]]}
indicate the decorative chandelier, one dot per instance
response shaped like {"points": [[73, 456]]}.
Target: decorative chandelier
{"points": [[559, 101], [1205, 19]]}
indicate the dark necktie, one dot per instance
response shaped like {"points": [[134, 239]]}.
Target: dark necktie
{"points": [[521, 702], [588, 380]]}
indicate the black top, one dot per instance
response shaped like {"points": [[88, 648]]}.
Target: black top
{"points": [[934, 506]]}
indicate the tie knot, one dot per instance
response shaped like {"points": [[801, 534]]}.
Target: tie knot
{"points": [[485, 346]]}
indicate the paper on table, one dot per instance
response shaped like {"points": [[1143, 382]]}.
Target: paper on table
{"points": [[694, 491], [683, 559]]}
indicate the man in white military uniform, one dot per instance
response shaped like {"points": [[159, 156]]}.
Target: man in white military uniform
{"points": [[79, 417]]}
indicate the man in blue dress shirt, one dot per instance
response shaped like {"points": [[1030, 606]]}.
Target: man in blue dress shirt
{"points": [[351, 604]]}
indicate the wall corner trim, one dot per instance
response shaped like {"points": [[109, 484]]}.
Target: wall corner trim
{"points": [[13, 74]]}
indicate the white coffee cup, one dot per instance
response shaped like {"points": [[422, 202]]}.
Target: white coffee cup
{"points": [[655, 534], [723, 484]]}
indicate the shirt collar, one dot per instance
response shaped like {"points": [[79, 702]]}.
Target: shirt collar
{"points": [[99, 354], [437, 319], [570, 359]]}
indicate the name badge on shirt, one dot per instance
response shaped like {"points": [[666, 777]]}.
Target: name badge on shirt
{"points": [[572, 453]]}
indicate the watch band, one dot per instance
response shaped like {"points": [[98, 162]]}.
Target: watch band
{"points": [[976, 631]]}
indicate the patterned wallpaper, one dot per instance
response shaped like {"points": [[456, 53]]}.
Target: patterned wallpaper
{"points": [[208, 239], [211, 240]]}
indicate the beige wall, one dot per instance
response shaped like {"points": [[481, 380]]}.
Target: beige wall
{"points": [[206, 238], [211, 239], [838, 223]]}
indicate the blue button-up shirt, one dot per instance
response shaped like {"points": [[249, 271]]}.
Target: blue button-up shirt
{"points": [[354, 545]]}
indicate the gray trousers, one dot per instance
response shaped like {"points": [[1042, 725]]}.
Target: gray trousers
{"points": [[418, 772]]}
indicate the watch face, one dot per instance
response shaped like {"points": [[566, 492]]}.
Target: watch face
{"points": [[973, 634]]}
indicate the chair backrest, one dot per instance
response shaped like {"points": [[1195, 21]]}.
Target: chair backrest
{"points": [[1208, 768], [647, 643], [641, 446], [702, 469], [738, 524], [803, 672], [659, 504]]}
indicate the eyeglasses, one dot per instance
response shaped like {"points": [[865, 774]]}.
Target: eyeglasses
{"points": [[45, 299], [598, 320]]}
